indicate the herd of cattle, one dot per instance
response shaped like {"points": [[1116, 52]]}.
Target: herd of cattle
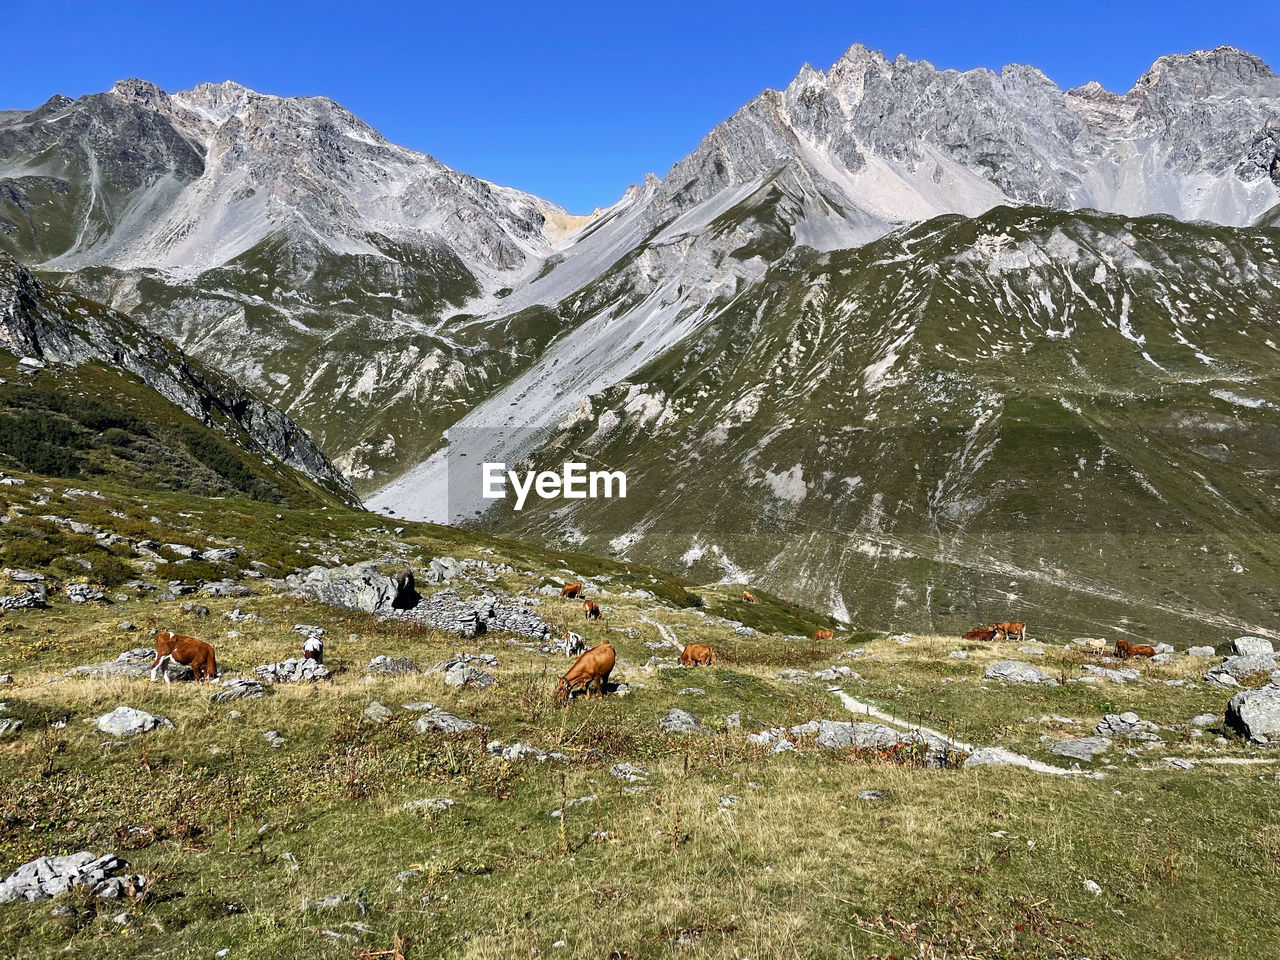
{"points": [[592, 667], [997, 632]]}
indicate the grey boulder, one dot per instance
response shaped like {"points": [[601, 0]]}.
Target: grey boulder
{"points": [[1082, 748], [240, 688], [1015, 671], [371, 587], [1252, 647], [384, 666], [1256, 715], [438, 721], [129, 722], [1232, 670], [679, 721], [839, 734]]}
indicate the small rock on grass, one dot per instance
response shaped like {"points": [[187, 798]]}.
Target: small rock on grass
{"points": [[679, 721], [1081, 748], [129, 722], [428, 803]]}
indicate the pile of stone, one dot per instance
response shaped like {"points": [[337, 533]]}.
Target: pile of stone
{"points": [[459, 670], [486, 613], [444, 569], [292, 670], [48, 877], [384, 666], [28, 599], [135, 663], [1127, 725]]}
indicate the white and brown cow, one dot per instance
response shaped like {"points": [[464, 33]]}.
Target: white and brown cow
{"points": [[187, 651]]}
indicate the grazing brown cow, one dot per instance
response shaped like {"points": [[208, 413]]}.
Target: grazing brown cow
{"points": [[820, 635], [748, 597], [571, 591], [981, 634], [189, 651], [591, 609], [1007, 629], [697, 655], [1125, 650], [591, 668]]}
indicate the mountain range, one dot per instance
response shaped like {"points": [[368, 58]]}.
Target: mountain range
{"points": [[913, 344]]}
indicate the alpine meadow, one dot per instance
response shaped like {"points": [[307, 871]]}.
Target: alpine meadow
{"points": [[861, 542]]}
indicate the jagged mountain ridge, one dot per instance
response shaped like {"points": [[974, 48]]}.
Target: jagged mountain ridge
{"points": [[377, 342], [51, 326], [838, 159], [188, 181], [284, 242]]}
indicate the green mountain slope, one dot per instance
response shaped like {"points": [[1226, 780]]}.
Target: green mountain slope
{"points": [[1063, 418]]}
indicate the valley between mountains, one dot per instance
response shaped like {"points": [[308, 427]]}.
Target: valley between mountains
{"points": [[914, 347]]}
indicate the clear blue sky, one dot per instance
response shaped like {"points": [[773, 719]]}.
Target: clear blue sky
{"points": [[574, 101]]}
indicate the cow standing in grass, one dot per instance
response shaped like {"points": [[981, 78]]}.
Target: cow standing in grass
{"points": [[697, 655], [1016, 630], [571, 591], [188, 651], [592, 668], [591, 609], [820, 635]]}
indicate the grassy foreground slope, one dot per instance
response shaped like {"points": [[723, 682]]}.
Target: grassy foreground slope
{"points": [[719, 848]]}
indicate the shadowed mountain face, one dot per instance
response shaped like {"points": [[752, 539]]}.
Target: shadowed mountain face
{"points": [[101, 356], [1066, 418]]}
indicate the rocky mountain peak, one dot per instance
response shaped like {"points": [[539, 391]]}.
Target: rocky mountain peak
{"points": [[1221, 71]]}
